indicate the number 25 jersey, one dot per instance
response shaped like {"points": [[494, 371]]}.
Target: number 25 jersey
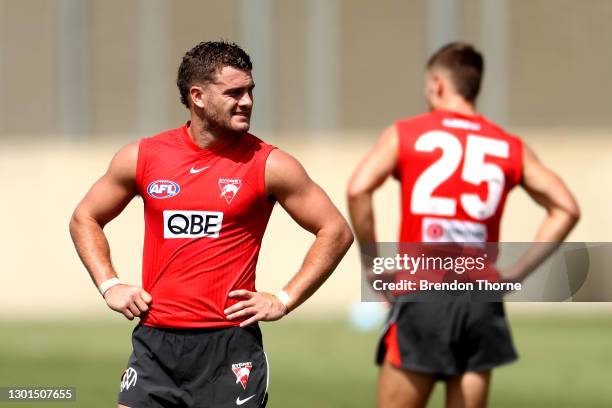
{"points": [[455, 173]]}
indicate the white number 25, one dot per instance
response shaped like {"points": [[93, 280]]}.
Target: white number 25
{"points": [[475, 171]]}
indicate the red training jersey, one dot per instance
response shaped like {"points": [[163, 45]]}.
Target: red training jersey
{"points": [[205, 211], [455, 173]]}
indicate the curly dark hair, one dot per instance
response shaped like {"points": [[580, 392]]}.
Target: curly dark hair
{"points": [[465, 65], [202, 62]]}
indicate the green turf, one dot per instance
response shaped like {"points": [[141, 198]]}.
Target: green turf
{"points": [[565, 362]]}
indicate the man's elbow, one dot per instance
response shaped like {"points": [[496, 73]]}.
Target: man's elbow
{"points": [[570, 215], [79, 220], [574, 214], [572, 211], [355, 191], [344, 236], [76, 220]]}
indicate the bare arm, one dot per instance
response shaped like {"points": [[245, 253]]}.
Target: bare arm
{"points": [[312, 209], [373, 170], [102, 203], [562, 213], [549, 191], [371, 173]]}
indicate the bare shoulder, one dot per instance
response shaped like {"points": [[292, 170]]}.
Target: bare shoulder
{"points": [[127, 155], [528, 153], [280, 161], [387, 145], [531, 163], [123, 165], [389, 136], [377, 165], [283, 172]]}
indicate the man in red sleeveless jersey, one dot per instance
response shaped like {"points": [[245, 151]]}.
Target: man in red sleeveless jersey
{"points": [[208, 189], [455, 169]]}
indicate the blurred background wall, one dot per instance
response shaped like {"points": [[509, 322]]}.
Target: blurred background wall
{"points": [[81, 78], [93, 67]]}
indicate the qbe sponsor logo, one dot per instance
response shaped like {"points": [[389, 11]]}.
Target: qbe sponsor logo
{"points": [[192, 224], [163, 189]]}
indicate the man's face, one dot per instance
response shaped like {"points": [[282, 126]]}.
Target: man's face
{"points": [[227, 102]]}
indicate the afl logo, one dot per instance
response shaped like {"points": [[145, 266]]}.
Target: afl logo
{"points": [[163, 189]]}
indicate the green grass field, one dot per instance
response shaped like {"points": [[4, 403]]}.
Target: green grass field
{"points": [[565, 362]]}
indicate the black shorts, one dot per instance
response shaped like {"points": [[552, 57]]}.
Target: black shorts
{"points": [[218, 368], [447, 338]]}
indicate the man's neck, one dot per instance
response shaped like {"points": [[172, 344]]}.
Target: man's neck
{"points": [[206, 137], [458, 105]]}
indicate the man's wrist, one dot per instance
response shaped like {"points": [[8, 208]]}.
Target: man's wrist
{"points": [[107, 284], [284, 299]]}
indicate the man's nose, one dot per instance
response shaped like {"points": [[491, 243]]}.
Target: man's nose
{"points": [[246, 100]]}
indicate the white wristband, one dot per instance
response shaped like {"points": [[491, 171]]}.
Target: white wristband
{"points": [[107, 284], [283, 297]]}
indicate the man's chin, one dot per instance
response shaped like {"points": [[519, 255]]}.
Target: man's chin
{"points": [[241, 126]]}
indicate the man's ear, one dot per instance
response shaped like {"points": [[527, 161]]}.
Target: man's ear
{"points": [[438, 84], [196, 93]]}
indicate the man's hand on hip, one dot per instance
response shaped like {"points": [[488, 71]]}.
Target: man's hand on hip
{"points": [[129, 300], [259, 305]]}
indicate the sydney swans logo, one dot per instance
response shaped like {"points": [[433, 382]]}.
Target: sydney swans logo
{"points": [[229, 188], [242, 372]]}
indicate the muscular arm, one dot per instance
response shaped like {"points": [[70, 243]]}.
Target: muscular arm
{"points": [[102, 203], [562, 213], [549, 191], [312, 209], [370, 174], [373, 170]]}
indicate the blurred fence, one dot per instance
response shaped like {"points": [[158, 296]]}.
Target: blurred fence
{"points": [[88, 68]]}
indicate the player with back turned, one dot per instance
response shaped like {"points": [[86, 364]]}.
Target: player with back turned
{"points": [[455, 169], [208, 189]]}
